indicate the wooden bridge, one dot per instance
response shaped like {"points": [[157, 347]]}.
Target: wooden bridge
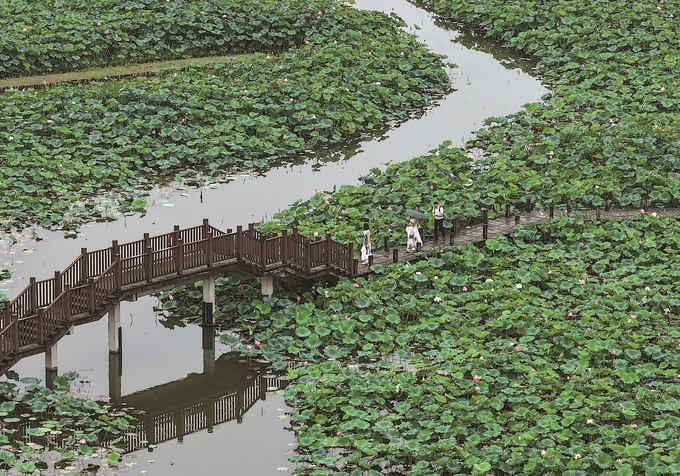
{"points": [[91, 285], [96, 282]]}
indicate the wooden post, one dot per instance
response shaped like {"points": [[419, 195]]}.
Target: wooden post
{"points": [[350, 260], [417, 247], [387, 243], [296, 235], [308, 256], [485, 216], [148, 258], [597, 212], [34, 295], [206, 228], [115, 249], [67, 290], [355, 266], [179, 255], [485, 231], [239, 242], [263, 251], [209, 249], [229, 231], [117, 272], [284, 246], [370, 260], [606, 204], [147, 241], [568, 205], [552, 212], [517, 218], [645, 204], [57, 284], [91, 297], [175, 235], [15, 324], [528, 206], [41, 326], [450, 239], [328, 249], [251, 228], [84, 268], [395, 255], [507, 210]]}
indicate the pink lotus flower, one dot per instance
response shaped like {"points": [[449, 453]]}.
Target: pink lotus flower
{"points": [[551, 153], [550, 161], [596, 301], [343, 211], [401, 54], [582, 245], [389, 208], [249, 347], [475, 378], [667, 310], [107, 32], [291, 99], [338, 433], [517, 349], [527, 189], [285, 137], [258, 343], [613, 351], [82, 442], [305, 363], [642, 210], [628, 331], [505, 139], [633, 426], [571, 314], [662, 89], [477, 389], [356, 285], [431, 187], [503, 347], [464, 288]]}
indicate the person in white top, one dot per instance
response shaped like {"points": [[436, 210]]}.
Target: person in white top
{"points": [[366, 245], [412, 235], [438, 214]]}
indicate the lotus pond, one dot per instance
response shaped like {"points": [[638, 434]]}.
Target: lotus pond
{"points": [[64, 147]]}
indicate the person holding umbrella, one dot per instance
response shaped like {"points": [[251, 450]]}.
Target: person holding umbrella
{"points": [[412, 235]]}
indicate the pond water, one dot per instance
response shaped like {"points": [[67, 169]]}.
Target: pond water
{"points": [[154, 356]]}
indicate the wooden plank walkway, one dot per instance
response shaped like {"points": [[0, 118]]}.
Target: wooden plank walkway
{"points": [[87, 288], [496, 227]]}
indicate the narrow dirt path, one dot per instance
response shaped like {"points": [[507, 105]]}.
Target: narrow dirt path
{"points": [[112, 72]]}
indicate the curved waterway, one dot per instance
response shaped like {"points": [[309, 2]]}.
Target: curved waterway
{"points": [[153, 357]]}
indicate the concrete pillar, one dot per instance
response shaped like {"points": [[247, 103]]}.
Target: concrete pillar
{"points": [[208, 351], [208, 305], [268, 285], [115, 376], [115, 330], [50, 375], [51, 357]]}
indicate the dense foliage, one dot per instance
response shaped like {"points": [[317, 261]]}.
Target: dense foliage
{"points": [[554, 350], [609, 129], [33, 40], [38, 421], [355, 72]]}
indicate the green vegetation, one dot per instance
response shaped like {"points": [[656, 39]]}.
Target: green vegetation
{"points": [[553, 350], [59, 147], [35, 40], [39, 420], [610, 127]]}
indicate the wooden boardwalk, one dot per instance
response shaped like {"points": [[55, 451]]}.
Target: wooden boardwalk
{"points": [[98, 280]]}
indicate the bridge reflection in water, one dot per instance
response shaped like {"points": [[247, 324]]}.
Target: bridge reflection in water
{"points": [[226, 389]]}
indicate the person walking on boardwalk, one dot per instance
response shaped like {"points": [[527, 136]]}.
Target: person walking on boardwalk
{"points": [[438, 214], [366, 246], [412, 235]]}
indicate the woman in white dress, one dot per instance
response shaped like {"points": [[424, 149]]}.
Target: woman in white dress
{"points": [[366, 245], [412, 235]]}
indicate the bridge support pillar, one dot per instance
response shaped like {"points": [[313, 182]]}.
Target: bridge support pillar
{"points": [[267, 285], [208, 350], [208, 305], [115, 377], [51, 358], [115, 331]]}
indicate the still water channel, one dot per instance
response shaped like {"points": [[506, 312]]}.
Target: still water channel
{"points": [[160, 368]]}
